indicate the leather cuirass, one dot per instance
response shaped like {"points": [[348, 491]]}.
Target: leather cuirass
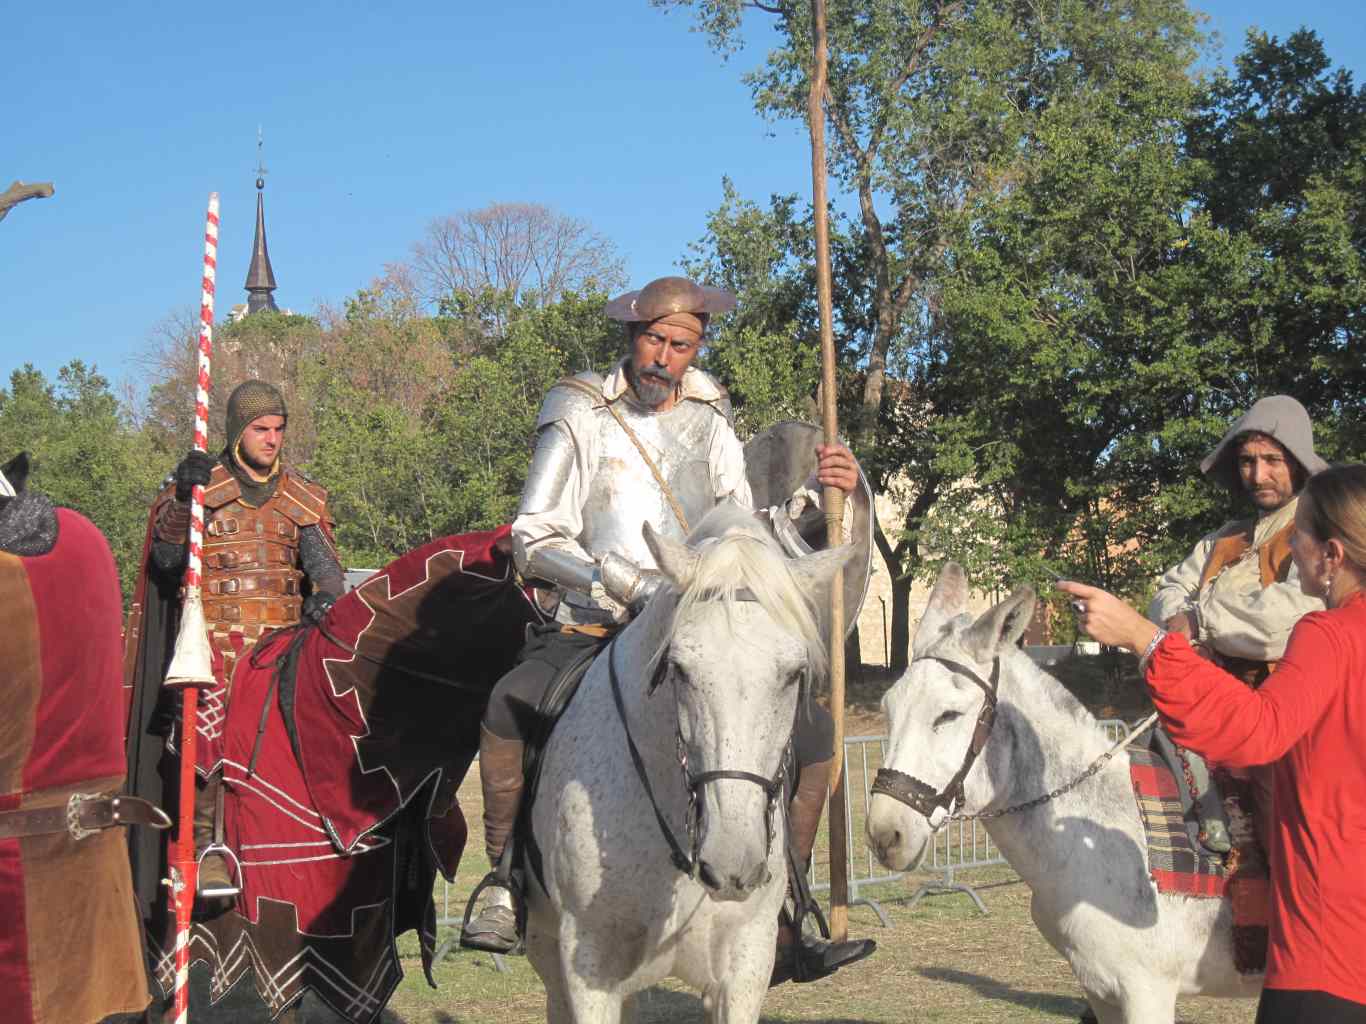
{"points": [[624, 494], [251, 573]]}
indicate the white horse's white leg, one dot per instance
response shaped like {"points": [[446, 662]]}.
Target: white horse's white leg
{"points": [[1139, 1004], [737, 1001]]}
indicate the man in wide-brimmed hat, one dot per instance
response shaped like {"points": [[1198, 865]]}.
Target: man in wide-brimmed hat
{"points": [[1237, 595], [653, 442], [268, 560]]}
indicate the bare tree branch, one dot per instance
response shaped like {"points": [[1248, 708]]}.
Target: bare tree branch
{"points": [[517, 249], [19, 192]]}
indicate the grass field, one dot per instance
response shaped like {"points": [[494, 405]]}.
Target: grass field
{"points": [[942, 961]]}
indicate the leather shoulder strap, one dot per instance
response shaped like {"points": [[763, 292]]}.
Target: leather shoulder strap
{"points": [[223, 488], [301, 500]]}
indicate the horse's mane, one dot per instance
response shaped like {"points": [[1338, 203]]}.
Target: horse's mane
{"points": [[737, 553]]}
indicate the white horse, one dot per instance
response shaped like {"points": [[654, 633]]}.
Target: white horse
{"points": [[1083, 853], [707, 682]]}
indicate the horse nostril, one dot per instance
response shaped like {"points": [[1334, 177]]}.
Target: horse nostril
{"points": [[707, 876]]}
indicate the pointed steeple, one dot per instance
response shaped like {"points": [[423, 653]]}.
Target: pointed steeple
{"points": [[260, 278]]}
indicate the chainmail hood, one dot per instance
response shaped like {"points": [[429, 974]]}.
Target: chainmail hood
{"points": [[249, 400]]}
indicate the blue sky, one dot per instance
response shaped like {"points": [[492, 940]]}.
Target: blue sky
{"points": [[374, 123]]}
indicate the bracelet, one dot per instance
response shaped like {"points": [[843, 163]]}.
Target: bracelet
{"points": [[1147, 654]]}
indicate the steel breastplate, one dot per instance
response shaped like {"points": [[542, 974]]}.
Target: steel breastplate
{"points": [[624, 494]]}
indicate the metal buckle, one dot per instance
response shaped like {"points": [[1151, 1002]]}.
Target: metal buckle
{"points": [[73, 816]]}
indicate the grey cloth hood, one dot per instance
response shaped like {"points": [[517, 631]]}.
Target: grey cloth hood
{"points": [[1277, 416]]}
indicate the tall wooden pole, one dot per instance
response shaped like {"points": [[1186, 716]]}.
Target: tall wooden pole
{"points": [[833, 497]]}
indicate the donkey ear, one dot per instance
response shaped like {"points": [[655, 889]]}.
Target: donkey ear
{"points": [[948, 599], [813, 571], [1001, 626], [676, 561]]}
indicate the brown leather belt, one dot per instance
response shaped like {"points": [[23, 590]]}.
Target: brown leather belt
{"points": [[82, 815]]}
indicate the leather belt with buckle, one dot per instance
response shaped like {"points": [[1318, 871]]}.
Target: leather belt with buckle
{"points": [[83, 814]]}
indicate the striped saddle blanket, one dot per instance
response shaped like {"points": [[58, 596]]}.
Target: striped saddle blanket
{"points": [[1181, 869]]}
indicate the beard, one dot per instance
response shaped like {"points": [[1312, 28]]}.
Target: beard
{"points": [[652, 386]]}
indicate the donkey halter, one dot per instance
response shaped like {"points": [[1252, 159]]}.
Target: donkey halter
{"points": [[922, 797], [686, 860]]}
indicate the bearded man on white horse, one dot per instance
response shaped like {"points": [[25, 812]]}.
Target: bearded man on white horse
{"points": [[652, 443]]}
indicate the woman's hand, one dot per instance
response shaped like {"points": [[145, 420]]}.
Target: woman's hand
{"points": [[1107, 618]]}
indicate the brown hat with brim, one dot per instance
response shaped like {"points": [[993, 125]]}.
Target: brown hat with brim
{"points": [[1280, 418], [667, 295]]}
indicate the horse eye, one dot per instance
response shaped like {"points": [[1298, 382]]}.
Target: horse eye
{"points": [[946, 717]]}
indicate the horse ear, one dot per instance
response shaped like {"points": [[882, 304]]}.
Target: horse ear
{"points": [[813, 571], [1001, 626], [676, 561], [16, 471], [948, 598]]}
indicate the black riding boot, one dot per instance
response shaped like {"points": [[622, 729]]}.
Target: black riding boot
{"points": [[807, 957], [494, 928]]}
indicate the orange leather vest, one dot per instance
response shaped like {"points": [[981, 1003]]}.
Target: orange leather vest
{"points": [[251, 576], [1273, 563]]}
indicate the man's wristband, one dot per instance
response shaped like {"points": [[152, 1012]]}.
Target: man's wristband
{"points": [[1147, 654]]}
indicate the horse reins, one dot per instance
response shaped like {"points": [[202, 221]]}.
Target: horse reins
{"points": [[921, 796], [687, 860]]}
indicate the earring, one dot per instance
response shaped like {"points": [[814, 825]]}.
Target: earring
{"points": [[1328, 588]]}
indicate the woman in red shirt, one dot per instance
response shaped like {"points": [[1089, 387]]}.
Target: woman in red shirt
{"points": [[1308, 720]]}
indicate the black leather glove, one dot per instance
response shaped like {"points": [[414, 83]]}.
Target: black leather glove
{"points": [[193, 469], [316, 606]]}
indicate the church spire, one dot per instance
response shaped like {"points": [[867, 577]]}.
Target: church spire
{"points": [[260, 278]]}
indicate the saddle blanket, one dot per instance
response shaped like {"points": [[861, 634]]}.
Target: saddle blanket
{"points": [[1177, 868]]}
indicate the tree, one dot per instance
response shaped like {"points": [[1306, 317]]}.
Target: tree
{"points": [[526, 252], [935, 110], [85, 454]]}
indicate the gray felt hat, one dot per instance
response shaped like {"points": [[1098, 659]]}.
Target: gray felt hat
{"points": [[1277, 416]]}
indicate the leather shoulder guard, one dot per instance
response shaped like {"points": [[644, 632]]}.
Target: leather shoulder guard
{"points": [[223, 488], [299, 498], [570, 398]]}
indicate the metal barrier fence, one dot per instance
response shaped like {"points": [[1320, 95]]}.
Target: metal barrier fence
{"points": [[962, 846]]}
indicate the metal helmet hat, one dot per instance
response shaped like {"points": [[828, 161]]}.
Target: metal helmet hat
{"points": [[667, 295]]}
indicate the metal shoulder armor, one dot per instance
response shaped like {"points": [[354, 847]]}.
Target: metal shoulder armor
{"points": [[570, 398]]}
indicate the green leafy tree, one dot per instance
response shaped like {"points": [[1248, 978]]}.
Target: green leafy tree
{"points": [[85, 454], [936, 113]]}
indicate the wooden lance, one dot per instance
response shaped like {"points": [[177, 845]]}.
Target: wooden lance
{"points": [[832, 497], [191, 665]]}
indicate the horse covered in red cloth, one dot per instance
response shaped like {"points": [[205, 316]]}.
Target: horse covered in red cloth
{"points": [[341, 756]]}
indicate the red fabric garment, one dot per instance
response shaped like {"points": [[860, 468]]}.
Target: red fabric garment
{"points": [[69, 939], [1309, 721]]}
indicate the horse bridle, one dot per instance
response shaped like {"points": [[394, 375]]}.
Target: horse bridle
{"points": [[922, 797], [686, 860]]}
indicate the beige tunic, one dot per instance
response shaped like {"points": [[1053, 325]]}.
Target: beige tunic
{"points": [[1238, 617]]}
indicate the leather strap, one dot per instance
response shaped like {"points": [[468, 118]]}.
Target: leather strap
{"points": [[82, 814], [631, 435]]}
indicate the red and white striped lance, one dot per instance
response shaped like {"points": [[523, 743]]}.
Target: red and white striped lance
{"points": [[191, 664], [201, 398]]}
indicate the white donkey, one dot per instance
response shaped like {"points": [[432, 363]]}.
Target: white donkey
{"points": [[659, 811], [1083, 852]]}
